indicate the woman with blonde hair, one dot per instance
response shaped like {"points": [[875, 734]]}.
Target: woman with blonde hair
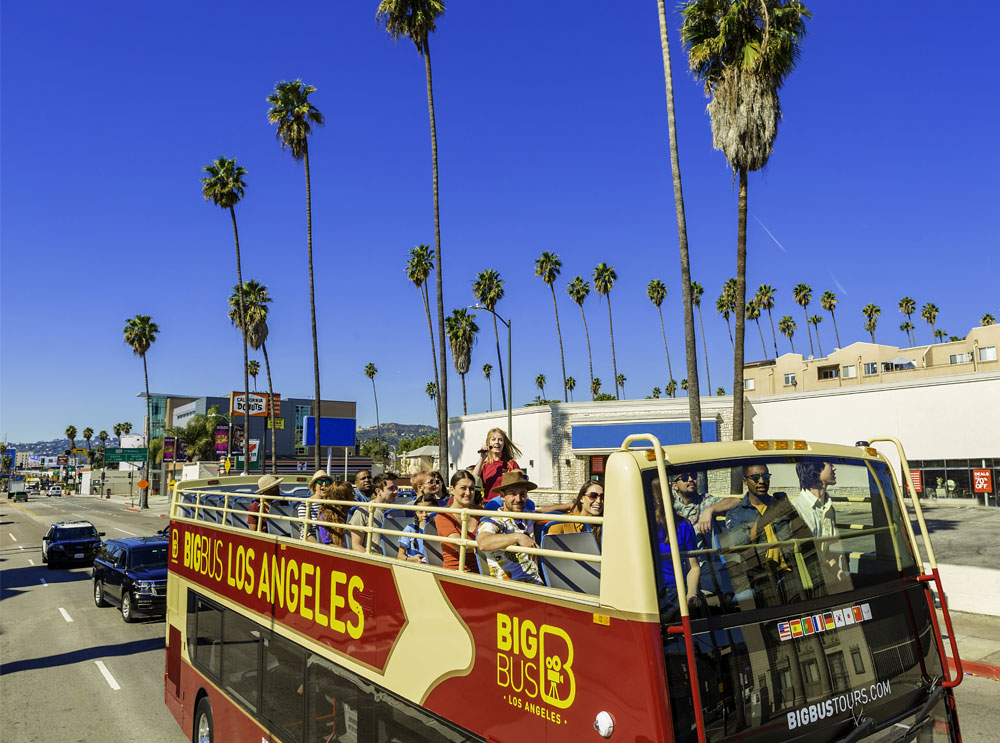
{"points": [[499, 455], [589, 502]]}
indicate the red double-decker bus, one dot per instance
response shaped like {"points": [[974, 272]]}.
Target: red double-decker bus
{"points": [[802, 624]]}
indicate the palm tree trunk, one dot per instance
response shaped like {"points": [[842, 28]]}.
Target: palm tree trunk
{"points": [[496, 335], [774, 336], [741, 302], [465, 407], [270, 407], [144, 494], [731, 341], [614, 361], [818, 344], [663, 330], [442, 400], [835, 331], [312, 313], [761, 334], [243, 333], [791, 343], [805, 314], [590, 356], [430, 329], [694, 400], [704, 346], [562, 356], [490, 383]]}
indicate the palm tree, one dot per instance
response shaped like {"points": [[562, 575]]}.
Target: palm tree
{"points": [[416, 20], [671, 388], [656, 290], [103, 436], [815, 320], [684, 385], [691, 350], [117, 428], [140, 333], [908, 306], [929, 313], [461, 329], [295, 115], [940, 335], [725, 306], [765, 300], [88, 433], [752, 312], [620, 382], [432, 392], [829, 303], [487, 371], [255, 302], [253, 367], [370, 372], [871, 312], [595, 387], [697, 290], [743, 52], [71, 435], [802, 294], [786, 325], [604, 281], [578, 289], [126, 426], [224, 187], [570, 386], [720, 391], [548, 267], [488, 290], [418, 268], [540, 384], [656, 393], [987, 320], [907, 327]]}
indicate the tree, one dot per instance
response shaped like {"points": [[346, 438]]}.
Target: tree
{"points": [[604, 282], [671, 388], [620, 382], [803, 295], [418, 268], [656, 290], [742, 52], [871, 312], [461, 328], [548, 267], [720, 392], [88, 434], [117, 428], [253, 367], [815, 320], [71, 435], [540, 383], [224, 187], [987, 320], [140, 333], [595, 387], [764, 299], [294, 116], [656, 393], [416, 20], [570, 386], [929, 314], [829, 303], [370, 372], [432, 392], [725, 305], [199, 435], [126, 426], [578, 289], [684, 385], [488, 290], [752, 312], [907, 305], [940, 335], [697, 290], [690, 349], [103, 436], [786, 325], [487, 371], [907, 327]]}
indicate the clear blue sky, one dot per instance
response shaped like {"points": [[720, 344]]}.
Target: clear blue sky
{"points": [[552, 136]]}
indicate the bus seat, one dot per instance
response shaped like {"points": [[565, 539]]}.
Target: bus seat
{"points": [[212, 501], [187, 511], [432, 549], [390, 542], [238, 520], [572, 575], [277, 521]]}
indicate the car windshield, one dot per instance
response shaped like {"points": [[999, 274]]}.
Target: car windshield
{"points": [[75, 532], [148, 557]]}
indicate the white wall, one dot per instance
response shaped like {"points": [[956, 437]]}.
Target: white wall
{"points": [[532, 435]]}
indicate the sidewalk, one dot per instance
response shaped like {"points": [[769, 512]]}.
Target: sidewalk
{"points": [[978, 639]]}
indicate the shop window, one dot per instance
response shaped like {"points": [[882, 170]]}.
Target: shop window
{"points": [[859, 664], [960, 358]]}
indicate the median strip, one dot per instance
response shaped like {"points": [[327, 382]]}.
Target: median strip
{"points": [[65, 614], [107, 675]]}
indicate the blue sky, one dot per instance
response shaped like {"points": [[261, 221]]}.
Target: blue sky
{"points": [[552, 136]]}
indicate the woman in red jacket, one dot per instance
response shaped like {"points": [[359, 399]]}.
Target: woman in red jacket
{"points": [[498, 456]]}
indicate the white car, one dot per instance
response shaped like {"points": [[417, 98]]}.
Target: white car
{"points": [[54, 490]]}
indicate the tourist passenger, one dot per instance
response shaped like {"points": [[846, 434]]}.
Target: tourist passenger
{"points": [[700, 510], [497, 456], [686, 542], [364, 487], [385, 491], [588, 502], [463, 494], [318, 484], [268, 485], [334, 514], [497, 533], [815, 507], [411, 547]]}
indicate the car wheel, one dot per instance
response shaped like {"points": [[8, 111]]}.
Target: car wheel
{"points": [[203, 722], [127, 614], [50, 565], [99, 601]]}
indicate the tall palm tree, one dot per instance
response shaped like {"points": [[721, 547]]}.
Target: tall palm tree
{"points": [[548, 267], [697, 290], [488, 290], [690, 349], [743, 52], [595, 387], [656, 393], [829, 303], [126, 426], [987, 320], [907, 305], [578, 289], [720, 391], [370, 372], [620, 382], [416, 20], [940, 335], [604, 281], [255, 302], [815, 320], [907, 327], [487, 371], [671, 388], [871, 312], [786, 325], [140, 333], [684, 385], [432, 392], [461, 329], [103, 436], [765, 300], [752, 312], [656, 290], [725, 305], [88, 434], [418, 268], [224, 186], [117, 428], [540, 384], [802, 293], [71, 435], [294, 116], [570, 386], [929, 314], [253, 366]]}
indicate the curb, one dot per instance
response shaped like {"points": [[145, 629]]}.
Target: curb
{"points": [[974, 668], [137, 510]]}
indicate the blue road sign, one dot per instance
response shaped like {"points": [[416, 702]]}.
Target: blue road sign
{"points": [[332, 431]]}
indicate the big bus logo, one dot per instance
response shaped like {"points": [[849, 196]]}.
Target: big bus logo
{"points": [[174, 542], [535, 661]]}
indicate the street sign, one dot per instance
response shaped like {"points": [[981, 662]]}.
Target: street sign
{"points": [[279, 423], [229, 465], [332, 431], [143, 484], [117, 454], [79, 451], [62, 459]]}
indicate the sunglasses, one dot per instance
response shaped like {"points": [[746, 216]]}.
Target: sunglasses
{"points": [[594, 496], [324, 481], [684, 478], [765, 476]]}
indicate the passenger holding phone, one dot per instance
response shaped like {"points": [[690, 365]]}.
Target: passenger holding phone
{"points": [[495, 458]]}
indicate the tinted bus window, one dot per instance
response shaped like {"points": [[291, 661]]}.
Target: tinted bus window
{"points": [[240, 659], [282, 703], [208, 636], [339, 706]]}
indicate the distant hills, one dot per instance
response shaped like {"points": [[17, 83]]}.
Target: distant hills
{"points": [[56, 446], [392, 433]]}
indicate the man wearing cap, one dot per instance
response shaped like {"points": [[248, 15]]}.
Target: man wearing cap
{"points": [[266, 485], [364, 486], [318, 484], [496, 533]]}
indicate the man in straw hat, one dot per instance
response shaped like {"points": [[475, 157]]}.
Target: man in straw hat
{"points": [[266, 485], [496, 533]]}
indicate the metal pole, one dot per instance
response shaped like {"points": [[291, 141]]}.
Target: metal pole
{"points": [[510, 385], [329, 459]]}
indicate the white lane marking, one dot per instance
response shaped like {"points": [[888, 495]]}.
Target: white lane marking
{"points": [[126, 532], [43, 582], [65, 614], [20, 546], [13, 538], [107, 675], [30, 561]]}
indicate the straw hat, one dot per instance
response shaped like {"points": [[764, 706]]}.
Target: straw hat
{"points": [[514, 478], [318, 475], [267, 482]]}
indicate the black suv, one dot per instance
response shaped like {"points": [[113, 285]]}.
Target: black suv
{"points": [[132, 573], [70, 541]]}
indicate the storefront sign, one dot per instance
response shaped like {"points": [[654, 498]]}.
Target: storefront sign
{"points": [[982, 481], [257, 405]]}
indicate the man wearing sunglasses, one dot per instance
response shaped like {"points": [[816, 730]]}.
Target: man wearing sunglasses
{"points": [[757, 505], [700, 510]]}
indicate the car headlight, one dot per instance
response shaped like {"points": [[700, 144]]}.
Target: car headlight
{"points": [[144, 586]]}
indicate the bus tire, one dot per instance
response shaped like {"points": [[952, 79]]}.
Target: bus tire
{"points": [[127, 613], [99, 601], [203, 732]]}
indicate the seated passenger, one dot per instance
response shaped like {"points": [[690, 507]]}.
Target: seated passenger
{"points": [[318, 484], [463, 493], [412, 547], [497, 533], [686, 542], [589, 502], [813, 504], [385, 492], [699, 509], [334, 514], [266, 485]]}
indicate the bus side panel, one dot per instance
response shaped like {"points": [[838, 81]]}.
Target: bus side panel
{"points": [[231, 724], [544, 672]]}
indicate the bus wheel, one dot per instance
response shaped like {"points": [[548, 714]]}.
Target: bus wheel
{"points": [[203, 722]]}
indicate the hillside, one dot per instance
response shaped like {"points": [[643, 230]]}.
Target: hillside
{"points": [[56, 446], [392, 433]]}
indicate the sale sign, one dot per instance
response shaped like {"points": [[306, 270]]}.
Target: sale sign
{"points": [[917, 480], [982, 481]]}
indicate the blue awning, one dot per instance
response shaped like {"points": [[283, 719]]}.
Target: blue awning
{"points": [[611, 435]]}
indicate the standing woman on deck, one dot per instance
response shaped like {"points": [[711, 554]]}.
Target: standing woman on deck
{"points": [[498, 456]]}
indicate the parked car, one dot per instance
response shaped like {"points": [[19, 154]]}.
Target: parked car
{"points": [[70, 541], [132, 574], [54, 490]]}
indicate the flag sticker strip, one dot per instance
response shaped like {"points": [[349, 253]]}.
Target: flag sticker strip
{"points": [[810, 625]]}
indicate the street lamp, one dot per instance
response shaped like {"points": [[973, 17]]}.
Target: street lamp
{"points": [[510, 376]]}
